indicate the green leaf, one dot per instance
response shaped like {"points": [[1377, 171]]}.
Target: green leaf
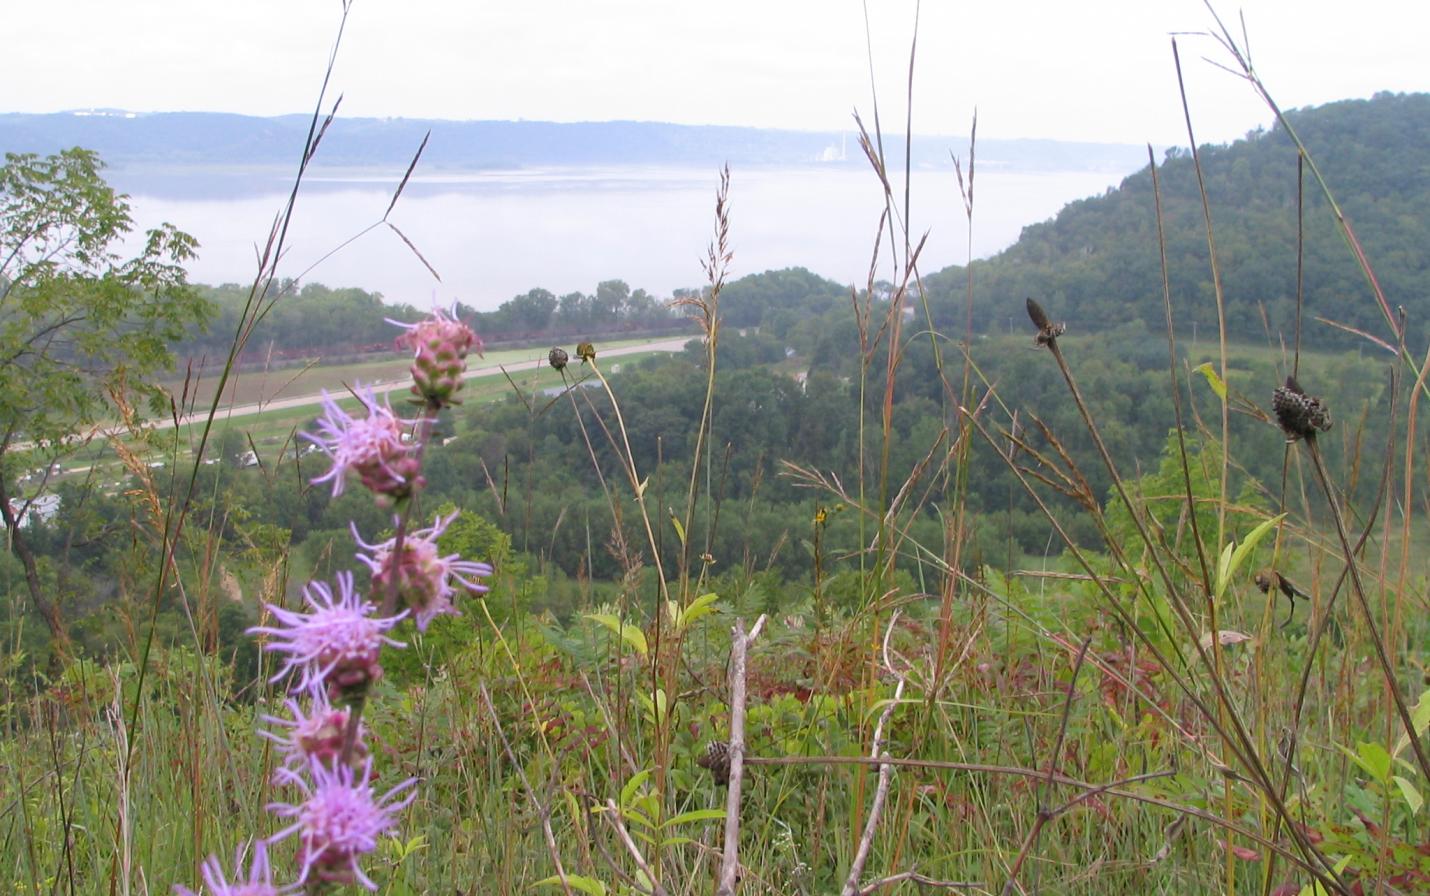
{"points": [[1223, 568], [627, 632], [693, 816], [577, 882], [679, 529], [1213, 380], [1413, 799], [701, 606], [1314, 888], [634, 784], [1373, 760], [1419, 718], [1234, 555]]}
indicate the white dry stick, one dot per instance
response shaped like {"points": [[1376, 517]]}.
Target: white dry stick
{"points": [[730, 858], [886, 774]]}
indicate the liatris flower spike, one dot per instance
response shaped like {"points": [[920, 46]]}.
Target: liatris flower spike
{"points": [[336, 645], [441, 343], [314, 736], [339, 820], [260, 877], [371, 446], [424, 577]]}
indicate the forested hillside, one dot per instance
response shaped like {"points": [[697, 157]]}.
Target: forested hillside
{"points": [[1097, 264]]}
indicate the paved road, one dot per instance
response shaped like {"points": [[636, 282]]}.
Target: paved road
{"points": [[537, 357]]}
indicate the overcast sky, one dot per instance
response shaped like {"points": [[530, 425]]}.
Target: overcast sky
{"points": [[1096, 70]]}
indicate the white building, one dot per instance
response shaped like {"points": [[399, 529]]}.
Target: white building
{"points": [[41, 509]]}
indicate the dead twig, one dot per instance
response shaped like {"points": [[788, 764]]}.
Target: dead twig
{"points": [[613, 815], [730, 859], [886, 775]]}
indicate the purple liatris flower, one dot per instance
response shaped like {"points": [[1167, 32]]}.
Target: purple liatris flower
{"points": [[441, 343], [316, 735], [336, 645], [370, 446], [424, 577], [259, 883], [339, 820]]}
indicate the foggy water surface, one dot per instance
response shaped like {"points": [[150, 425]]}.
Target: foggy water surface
{"points": [[493, 235]]}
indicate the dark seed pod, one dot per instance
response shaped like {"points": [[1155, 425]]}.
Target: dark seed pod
{"points": [[717, 760], [1047, 330], [1038, 315], [1299, 414], [557, 358]]}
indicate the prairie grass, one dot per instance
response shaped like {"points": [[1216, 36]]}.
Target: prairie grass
{"points": [[1129, 717]]}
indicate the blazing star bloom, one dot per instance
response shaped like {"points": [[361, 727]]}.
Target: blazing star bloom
{"points": [[260, 876], [337, 644], [424, 578], [339, 820], [441, 343], [314, 736], [371, 446]]}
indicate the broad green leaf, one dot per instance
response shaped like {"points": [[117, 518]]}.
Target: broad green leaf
{"points": [[1213, 380], [693, 816], [1413, 799], [577, 882], [1372, 758], [701, 606], [627, 632], [1375, 760], [1234, 555]]}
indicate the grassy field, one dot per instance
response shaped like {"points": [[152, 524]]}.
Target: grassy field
{"points": [[251, 386]]}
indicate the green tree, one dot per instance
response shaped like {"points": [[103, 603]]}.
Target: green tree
{"points": [[79, 322]]}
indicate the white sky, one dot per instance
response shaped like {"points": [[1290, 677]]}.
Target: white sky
{"points": [[1092, 70]]}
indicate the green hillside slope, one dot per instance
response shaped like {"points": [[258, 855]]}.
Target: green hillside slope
{"points": [[1096, 264]]}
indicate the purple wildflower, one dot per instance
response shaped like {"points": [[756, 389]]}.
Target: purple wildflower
{"points": [[441, 343], [337, 644], [424, 577], [260, 876], [339, 820], [371, 446], [314, 736]]}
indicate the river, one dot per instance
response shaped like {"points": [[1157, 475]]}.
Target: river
{"points": [[492, 235]]}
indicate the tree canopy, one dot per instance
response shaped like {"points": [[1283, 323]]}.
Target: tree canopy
{"points": [[80, 322]]}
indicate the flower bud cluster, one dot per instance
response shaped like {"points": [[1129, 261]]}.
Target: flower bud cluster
{"points": [[441, 343]]}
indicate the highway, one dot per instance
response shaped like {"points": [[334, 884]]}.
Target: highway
{"points": [[538, 357]]}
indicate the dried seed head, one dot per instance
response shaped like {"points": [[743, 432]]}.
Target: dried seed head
{"points": [[1047, 330], [1038, 315], [1299, 414], [717, 760], [557, 358], [586, 351]]}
